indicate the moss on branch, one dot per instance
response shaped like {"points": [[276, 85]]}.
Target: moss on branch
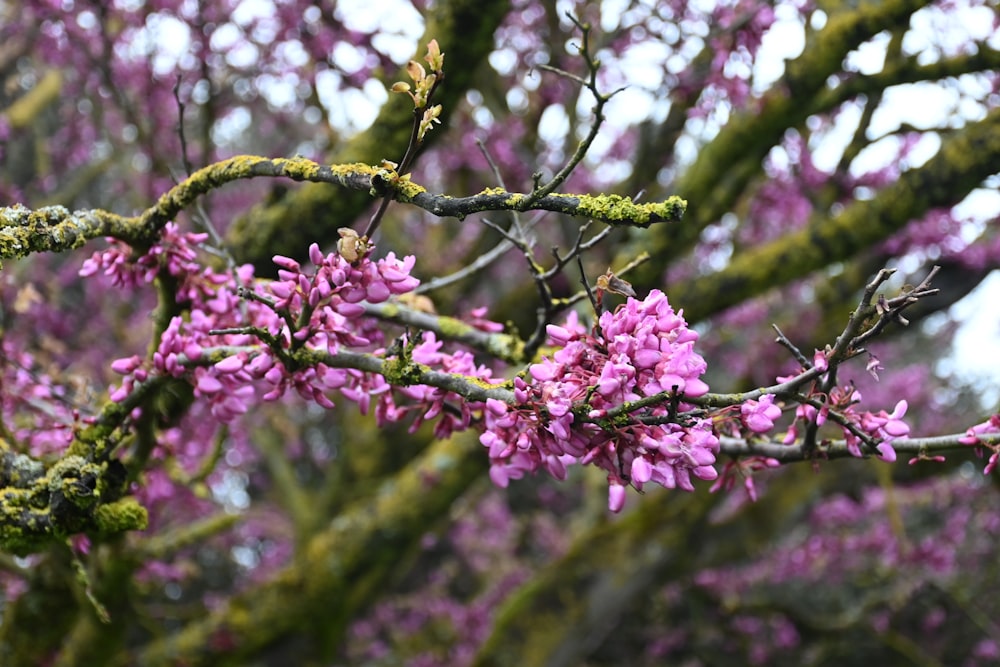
{"points": [[369, 536], [502, 346], [29, 106], [464, 29], [41, 505], [609, 209], [55, 229], [562, 612], [51, 229], [725, 166], [965, 159]]}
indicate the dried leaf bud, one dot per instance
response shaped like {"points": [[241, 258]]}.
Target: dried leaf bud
{"points": [[351, 246], [609, 282]]}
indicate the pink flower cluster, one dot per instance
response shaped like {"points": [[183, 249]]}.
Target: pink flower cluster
{"points": [[36, 409], [991, 425], [565, 404], [337, 286], [175, 251], [214, 304], [882, 426], [453, 412], [318, 310], [322, 311], [759, 416]]}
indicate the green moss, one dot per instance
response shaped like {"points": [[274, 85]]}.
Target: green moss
{"points": [[302, 168], [75, 495], [514, 201], [484, 384], [352, 168], [21, 469], [615, 208], [508, 347], [452, 327], [407, 188], [76, 479], [47, 229], [402, 372], [120, 516]]}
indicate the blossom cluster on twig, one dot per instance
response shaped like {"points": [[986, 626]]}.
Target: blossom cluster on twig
{"points": [[625, 395]]}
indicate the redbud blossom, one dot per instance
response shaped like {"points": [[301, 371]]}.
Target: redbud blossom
{"points": [[759, 416], [641, 349], [820, 361], [991, 425]]}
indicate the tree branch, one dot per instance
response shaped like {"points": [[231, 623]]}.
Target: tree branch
{"points": [[55, 229], [963, 162], [725, 166], [348, 562], [464, 29], [837, 449]]}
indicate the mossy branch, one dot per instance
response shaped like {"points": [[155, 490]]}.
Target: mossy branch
{"points": [[556, 619], [505, 347], [464, 29], [55, 228], [371, 532], [724, 167], [40, 505], [965, 159], [563, 612], [28, 107]]}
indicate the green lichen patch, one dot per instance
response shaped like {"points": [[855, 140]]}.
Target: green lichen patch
{"points": [[74, 495], [407, 188], [513, 201], [120, 516], [618, 209], [401, 372]]}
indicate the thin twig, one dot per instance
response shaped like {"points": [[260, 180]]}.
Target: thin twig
{"points": [[601, 100], [477, 264], [782, 340], [516, 215], [180, 126], [586, 285]]}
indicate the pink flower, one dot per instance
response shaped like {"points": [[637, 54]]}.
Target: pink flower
{"points": [[886, 426], [616, 497], [886, 452], [759, 416], [820, 361], [991, 425], [641, 349]]}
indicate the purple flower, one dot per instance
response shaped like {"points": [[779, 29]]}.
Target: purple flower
{"points": [[616, 496], [991, 425], [886, 426], [759, 416], [641, 349]]}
